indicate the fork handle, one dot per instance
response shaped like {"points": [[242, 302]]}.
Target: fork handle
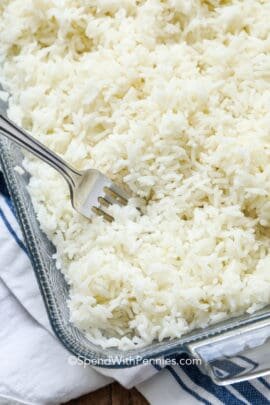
{"points": [[28, 142]]}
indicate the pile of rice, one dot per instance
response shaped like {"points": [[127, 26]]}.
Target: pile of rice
{"points": [[172, 99]]}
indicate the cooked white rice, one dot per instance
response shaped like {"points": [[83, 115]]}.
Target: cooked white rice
{"points": [[171, 98]]}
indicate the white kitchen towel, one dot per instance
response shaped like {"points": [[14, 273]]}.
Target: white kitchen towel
{"points": [[36, 369]]}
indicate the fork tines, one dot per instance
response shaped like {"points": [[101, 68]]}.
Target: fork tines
{"points": [[112, 195]]}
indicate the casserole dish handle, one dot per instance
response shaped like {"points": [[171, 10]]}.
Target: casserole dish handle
{"points": [[234, 355]]}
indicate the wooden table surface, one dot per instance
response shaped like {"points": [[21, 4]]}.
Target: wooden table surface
{"points": [[112, 394]]}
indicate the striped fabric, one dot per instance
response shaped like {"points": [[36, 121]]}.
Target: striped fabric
{"points": [[172, 385]]}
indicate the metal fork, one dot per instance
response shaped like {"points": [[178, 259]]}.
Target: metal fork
{"points": [[90, 191]]}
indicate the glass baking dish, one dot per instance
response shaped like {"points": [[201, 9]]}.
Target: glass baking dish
{"points": [[232, 351]]}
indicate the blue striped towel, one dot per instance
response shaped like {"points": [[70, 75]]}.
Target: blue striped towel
{"points": [[35, 368]]}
